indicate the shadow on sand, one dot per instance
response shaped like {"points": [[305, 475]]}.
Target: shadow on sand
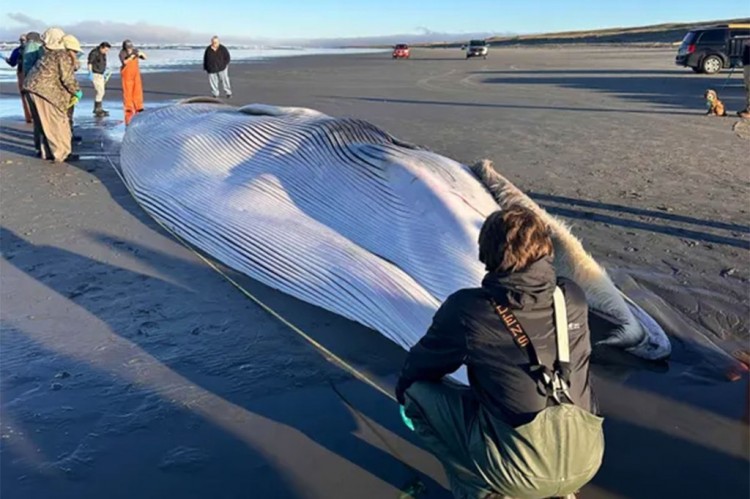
{"points": [[677, 467], [303, 410], [656, 87], [381, 100], [576, 209], [663, 464]]}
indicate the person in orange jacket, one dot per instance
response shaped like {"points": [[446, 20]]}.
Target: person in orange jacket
{"points": [[130, 74]]}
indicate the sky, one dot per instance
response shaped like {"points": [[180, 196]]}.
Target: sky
{"points": [[323, 19]]}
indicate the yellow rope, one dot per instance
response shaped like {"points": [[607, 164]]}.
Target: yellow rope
{"points": [[329, 356]]}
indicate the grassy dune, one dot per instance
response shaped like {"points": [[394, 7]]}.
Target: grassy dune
{"points": [[658, 34]]}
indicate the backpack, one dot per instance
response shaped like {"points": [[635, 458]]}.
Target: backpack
{"points": [[562, 448]]}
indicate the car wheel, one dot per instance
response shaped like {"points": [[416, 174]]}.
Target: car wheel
{"points": [[712, 64], [697, 69]]}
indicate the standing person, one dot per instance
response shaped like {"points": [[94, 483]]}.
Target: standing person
{"points": [[15, 60], [73, 47], [98, 75], [524, 427], [130, 74], [216, 63], [51, 86], [32, 51], [745, 113]]}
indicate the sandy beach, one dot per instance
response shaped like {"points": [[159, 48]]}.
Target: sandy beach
{"points": [[131, 369]]}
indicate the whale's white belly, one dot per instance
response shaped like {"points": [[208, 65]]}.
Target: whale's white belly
{"points": [[332, 211]]}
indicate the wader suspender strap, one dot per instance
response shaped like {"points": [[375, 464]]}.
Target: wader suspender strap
{"points": [[561, 373], [555, 382]]}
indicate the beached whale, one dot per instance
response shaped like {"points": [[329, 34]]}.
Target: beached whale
{"points": [[342, 215]]}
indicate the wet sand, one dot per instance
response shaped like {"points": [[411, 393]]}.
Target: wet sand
{"points": [[130, 369]]}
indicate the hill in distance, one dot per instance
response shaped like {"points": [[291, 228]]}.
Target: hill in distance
{"points": [[657, 34]]}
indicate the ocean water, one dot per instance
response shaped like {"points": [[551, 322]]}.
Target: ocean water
{"points": [[169, 58]]}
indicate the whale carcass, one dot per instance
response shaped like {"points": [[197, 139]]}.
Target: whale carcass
{"points": [[340, 214]]}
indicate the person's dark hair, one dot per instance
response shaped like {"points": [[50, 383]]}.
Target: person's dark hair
{"points": [[126, 44], [513, 239], [105, 45], [33, 36]]}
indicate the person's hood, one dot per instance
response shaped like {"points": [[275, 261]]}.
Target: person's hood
{"points": [[52, 39], [529, 288], [70, 42]]}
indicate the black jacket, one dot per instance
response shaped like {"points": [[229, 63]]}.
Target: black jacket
{"points": [[746, 53], [467, 330], [98, 61], [216, 61]]}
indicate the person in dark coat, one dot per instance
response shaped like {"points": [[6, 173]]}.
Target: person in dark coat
{"points": [[15, 60], [216, 63], [99, 75], [467, 330]]}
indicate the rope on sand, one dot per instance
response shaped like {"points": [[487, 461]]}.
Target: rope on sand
{"points": [[327, 354], [414, 487]]}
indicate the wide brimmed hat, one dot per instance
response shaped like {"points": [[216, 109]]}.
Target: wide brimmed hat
{"points": [[70, 42], [52, 39]]}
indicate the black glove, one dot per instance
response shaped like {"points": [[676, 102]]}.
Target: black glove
{"points": [[401, 387]]}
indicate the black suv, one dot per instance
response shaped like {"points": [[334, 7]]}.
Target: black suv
{"points": [[709, 50]]}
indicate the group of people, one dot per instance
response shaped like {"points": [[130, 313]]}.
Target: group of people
{"points": [[57, 84], [46, 66]]}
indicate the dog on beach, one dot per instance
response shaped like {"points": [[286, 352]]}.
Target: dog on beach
{"points": [[714, 105]]}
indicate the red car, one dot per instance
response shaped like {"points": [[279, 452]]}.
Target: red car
{"points": [[401, 51]]}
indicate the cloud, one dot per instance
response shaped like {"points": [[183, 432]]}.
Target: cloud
{"points": [[422, 34], [422, 30], [93, 32], [112, 31], [24, 20]]}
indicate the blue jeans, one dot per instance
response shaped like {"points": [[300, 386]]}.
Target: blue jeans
{"points": [[221, 77]]}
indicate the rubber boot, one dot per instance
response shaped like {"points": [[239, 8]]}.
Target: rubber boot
{"points": [[99, 111]]}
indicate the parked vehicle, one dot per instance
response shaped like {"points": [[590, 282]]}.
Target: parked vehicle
{"points": [[709, 50], [401, 51], [477, 48]]}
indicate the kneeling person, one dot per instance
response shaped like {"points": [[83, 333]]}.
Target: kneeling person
{"points": [[525, 427]]}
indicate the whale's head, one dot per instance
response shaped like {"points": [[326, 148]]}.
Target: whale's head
{"points": [[635, 330]]}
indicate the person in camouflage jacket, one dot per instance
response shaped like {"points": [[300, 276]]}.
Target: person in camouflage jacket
{"points": [[53, 78], [51, 86]]}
